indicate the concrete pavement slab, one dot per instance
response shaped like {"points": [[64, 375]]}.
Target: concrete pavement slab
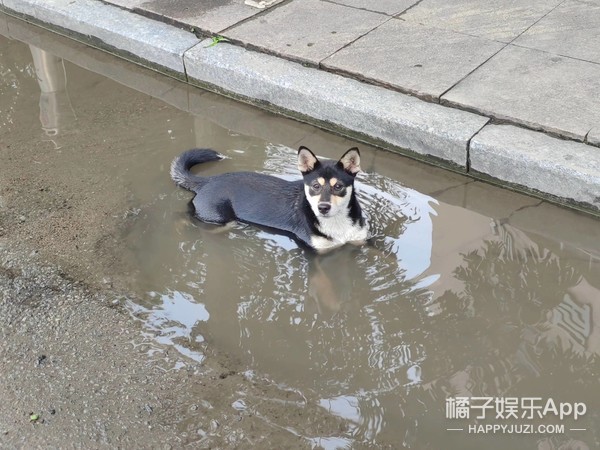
{"points": [[131, 36], [566, 169], [208, 16], [293, 31], [501, 20], [572, 29], [390, 7], [334, 102], [534, 88], [401, 55]]}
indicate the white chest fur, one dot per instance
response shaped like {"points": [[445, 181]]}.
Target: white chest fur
{"points": [[339, 230]]}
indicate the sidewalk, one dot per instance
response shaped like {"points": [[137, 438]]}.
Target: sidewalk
{"points": [[506, 93]]}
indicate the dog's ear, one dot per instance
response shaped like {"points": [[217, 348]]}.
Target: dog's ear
{"points": [[307, 161], [350, 161]]}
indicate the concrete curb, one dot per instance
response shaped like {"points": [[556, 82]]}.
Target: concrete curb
{"points": [[564, 169], [373, 114], [335, 102]]}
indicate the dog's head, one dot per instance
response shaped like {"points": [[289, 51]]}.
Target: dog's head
{"points": [[328, 184]]}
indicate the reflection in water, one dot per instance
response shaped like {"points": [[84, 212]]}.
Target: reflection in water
{"points": [[381, 335], [518, 305], [174, 321], [55, 105]]}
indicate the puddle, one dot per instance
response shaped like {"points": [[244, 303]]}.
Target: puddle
{"points": [[468, 291]]}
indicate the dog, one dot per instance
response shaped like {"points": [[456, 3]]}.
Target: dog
{"points": [[321, 211]]}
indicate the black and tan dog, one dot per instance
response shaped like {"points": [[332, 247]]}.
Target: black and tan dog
{"points": [[321, 210]]}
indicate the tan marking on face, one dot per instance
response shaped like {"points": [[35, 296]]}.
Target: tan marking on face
{"points": [[321, 181], [337, 200]]}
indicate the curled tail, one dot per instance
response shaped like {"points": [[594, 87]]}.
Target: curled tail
{"points": [[180, 167]]}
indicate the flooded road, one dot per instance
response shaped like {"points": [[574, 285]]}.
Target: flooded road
{"points": [[468, 291]]}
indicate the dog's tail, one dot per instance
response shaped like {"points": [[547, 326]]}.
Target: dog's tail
{"points": [[180, 167]]}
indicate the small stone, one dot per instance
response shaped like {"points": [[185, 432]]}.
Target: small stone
{"points": [[240, 405]]}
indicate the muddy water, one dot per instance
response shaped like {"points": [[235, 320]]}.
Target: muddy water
{"points": [[468, 291]]}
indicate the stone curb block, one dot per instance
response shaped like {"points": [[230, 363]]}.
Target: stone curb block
{"points": [[391, 117], [565, 169], [130, 35]]}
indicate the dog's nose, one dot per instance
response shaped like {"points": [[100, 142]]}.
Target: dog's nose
{"points": [[324, 208]]}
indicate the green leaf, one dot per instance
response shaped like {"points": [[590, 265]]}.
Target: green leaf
{"points": [[216, 40]]}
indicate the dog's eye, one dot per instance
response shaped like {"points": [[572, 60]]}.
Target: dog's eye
{"points": [[337, 187], [316, 187]]}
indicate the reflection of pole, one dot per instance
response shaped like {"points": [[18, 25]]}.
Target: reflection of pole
{"points": [[54, 100]]}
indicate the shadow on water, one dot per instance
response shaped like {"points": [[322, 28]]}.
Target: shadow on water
{"points": [[447, 303]]}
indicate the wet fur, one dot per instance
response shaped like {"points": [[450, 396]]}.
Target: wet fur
{"points": [[268, 201]]}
